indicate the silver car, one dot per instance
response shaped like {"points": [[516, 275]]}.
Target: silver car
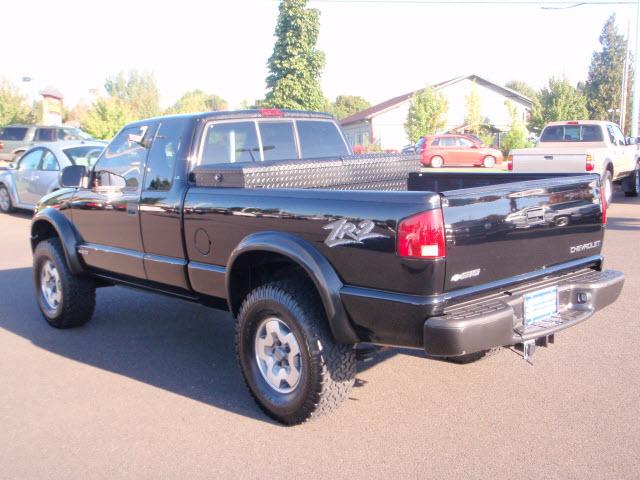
{"points": [[36, 173]]}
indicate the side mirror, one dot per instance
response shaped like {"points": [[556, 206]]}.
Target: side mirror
{"points": [[632, 140], [73, 176], [12, 166]]}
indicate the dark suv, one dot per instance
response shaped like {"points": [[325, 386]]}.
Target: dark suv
{"points": [[16, 139]]}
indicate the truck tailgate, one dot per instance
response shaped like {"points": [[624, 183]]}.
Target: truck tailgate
{"points": [[502, 231], [549, 162]]}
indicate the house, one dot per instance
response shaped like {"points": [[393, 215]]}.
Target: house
{"points": [[383, 124]]}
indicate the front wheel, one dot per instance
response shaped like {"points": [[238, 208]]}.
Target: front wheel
{"points": [[634, 184], [6, 206], [488, 161], [65, 300], [289, 360]]}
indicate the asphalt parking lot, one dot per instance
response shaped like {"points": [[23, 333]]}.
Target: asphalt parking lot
{"points": [[150, 388]]}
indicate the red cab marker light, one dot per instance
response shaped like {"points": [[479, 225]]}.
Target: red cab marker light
{"points": [[422, 236], [572, 123], [271, 112]]}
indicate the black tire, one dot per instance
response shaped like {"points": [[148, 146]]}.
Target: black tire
{"points": [[77, 293], [634, 183], [327, 369], [607, 186], [6, 205]]}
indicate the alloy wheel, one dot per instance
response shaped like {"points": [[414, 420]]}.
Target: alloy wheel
{"points": [[278, 355]]}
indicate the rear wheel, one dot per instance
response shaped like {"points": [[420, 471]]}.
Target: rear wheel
{"points": [[437, 161], [634, 183], [606, 184], [289, 361], [65, 300], [488, 161], [6, 206]]}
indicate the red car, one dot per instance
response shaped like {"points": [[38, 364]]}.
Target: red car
{"points": [[456, 150]]}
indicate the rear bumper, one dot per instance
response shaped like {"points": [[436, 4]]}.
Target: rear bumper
{"points": [[497, 320]]}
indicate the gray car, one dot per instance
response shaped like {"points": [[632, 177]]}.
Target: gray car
{"points": [[36, 173], [16, 139]]}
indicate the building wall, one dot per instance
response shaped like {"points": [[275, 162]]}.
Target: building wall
{"points": [[358, 133], [388, 127]]}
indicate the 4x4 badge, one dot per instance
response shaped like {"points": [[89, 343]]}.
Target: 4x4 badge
{"points": [[345, 233]]}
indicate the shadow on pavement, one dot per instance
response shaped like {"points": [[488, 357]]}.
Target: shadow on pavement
{"points": [[168, 343]]}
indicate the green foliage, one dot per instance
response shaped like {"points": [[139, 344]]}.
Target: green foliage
{"points": [[198, 101], [106, 117], [522, 88], [295, 65], [558, 101], [426, 114], [347, 105], [516, 137], [13, 106], [473, 118], [604, 83], [139, 91]]}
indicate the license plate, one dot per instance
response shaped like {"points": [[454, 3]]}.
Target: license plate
{"points": [[540, 305]]}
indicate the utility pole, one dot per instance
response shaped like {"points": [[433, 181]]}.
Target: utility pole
{"points": [[635, 108]]}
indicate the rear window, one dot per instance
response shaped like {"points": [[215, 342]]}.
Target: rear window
{"points": [[46, 135], [320, 139], [231, 143], [278, 141], [572, 133], [85, 156], [13, 133]]}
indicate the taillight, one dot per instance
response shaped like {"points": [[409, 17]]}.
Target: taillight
{"points": [[1, 145], [589, 165], [422, 236], [603, 206], [510, 163], [271, 112]]}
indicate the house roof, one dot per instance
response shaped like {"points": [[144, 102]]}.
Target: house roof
{"points": [[390, 104]]}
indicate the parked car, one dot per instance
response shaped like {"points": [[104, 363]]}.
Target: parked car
{"points": [[36, 173], [314, 250], [583, 146], [456, 150], [16, 139]]}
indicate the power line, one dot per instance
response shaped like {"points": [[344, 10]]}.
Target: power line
{"points": [[550, 3]]}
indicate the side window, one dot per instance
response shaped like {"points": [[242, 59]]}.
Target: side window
{"points": [[618, 135], [46, 135], [30, 161], [278, 141], [230, 143], [49, 162], [163, 154], [436, 142], [612, 136], [448, 142], [320, 139], [120, 166], [463, 142]]}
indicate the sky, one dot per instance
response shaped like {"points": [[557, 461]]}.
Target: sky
{"points": [[375, 50]]}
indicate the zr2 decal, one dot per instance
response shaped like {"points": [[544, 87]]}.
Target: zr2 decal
{"points": [[345, 233]]}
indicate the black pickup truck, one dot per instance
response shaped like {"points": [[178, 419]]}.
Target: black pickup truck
{"points": [[315, 251]]}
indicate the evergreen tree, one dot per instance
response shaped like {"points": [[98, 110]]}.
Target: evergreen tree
{"points": [[558, 101], [426, 114], [604, 83], [295, 65], [138, 90]]}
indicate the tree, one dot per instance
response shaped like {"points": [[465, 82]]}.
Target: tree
{"points": [[347, 105], [604, 83], [107, 116], [426, 113], [198, 101], [522, 88], [473, 117], [139, 91], [558, 101], [516, 137], [13, 105], [295, 65]]}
